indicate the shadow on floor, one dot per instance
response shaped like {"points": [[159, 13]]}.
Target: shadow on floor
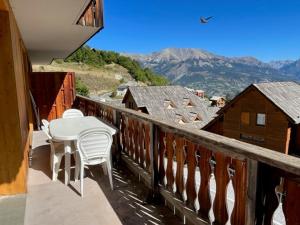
{"points": [[128, 199]]}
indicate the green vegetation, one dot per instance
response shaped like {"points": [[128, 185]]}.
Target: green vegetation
{"points": [[81, 88], [98, 58]]}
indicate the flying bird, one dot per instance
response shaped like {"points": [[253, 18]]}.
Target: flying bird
{"points": [[205, 20]]}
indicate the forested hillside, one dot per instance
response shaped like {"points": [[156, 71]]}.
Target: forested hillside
{"points": [[99, 58]]}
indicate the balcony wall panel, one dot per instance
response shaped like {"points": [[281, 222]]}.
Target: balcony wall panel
{"points": [[54, 92], [15, 113]]}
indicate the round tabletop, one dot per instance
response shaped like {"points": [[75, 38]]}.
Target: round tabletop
{"points": [[68, 129]]}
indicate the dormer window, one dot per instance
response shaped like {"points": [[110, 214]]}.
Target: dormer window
{"points": [[195, 117], [188, 102], [168, 104], [180, 119]]}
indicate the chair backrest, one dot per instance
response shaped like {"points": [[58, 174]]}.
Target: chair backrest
{"points": [[94, 145], [46, 131], [45, 123], [72, 113]]}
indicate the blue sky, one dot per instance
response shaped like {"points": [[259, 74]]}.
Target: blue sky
{"points": [[264, 29]]}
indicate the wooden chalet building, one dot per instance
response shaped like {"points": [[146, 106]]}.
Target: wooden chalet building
{"points": [[171, 103], [265, 114]]}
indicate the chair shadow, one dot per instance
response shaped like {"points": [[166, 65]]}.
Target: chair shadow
{"points": [[41, 162]]}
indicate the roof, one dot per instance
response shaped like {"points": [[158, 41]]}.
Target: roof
{"points": [[285, 95], [173, 103]]}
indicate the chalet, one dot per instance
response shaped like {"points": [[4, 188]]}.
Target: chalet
{"points": [[265, 114], [217, 101], [171, 103], [200, 93]]}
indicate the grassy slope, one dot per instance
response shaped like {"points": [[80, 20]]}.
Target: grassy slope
{"points": [[98, 80]]}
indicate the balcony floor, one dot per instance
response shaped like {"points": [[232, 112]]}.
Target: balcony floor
{"points": [[51, 202]]}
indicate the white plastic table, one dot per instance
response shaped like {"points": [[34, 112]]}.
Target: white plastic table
{"points": [[68, 129]]}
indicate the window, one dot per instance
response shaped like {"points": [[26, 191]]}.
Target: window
{"points": [[245, 118], [260, 119]]}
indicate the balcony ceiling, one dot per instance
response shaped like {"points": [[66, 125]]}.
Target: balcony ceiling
{"points": [[49, 29]]}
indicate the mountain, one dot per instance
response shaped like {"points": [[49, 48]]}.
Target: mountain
{"points": [[217, 75], [292, 68], [278, 64]]}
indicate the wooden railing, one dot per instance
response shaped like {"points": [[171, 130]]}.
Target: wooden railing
{"points": [[207, 178], [92, 15]]}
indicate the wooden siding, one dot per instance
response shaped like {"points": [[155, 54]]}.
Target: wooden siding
{"points": [[130, 103], [54, 92], [15, 115]]}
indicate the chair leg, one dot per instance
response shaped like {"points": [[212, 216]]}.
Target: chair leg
{"points": [[56, 165], [51, 159], [81, 178], [109, 171], [77, 165], [104, 168]]}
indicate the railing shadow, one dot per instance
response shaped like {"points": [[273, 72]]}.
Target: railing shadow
{"points": [[129, 199]]}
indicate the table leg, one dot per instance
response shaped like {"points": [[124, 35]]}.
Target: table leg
{"points": [[67, 161]]}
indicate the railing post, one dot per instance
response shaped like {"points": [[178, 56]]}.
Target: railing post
{"points": [[251, 188], [153, 159], [117, 122]]}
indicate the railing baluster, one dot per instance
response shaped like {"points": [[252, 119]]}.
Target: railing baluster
{"points": [[190, 186], [170, 154], [203, 195], [162, 149], [239, 180], [222, 179], [147, 145], [180, 159], [136, 136], [142, 144]]}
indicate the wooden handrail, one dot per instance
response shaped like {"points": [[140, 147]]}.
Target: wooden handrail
{"points": [[228, 146]]}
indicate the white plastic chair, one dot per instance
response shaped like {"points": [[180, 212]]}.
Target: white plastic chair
{"points": [[57, 151], [72, 113], [93, 148]]}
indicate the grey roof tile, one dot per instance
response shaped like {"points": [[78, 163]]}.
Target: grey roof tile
{"points": [[285, 95]]}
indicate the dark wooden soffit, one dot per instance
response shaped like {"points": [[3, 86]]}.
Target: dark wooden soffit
{"points": [[92, 15]]}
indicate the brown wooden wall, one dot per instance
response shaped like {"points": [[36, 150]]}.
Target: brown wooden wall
{"points": [[54, 92], [15, 113], [275, 132], [130, 103], [91, 18]]}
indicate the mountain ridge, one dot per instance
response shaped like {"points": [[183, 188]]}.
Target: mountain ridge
{"points": [[216, 74]]}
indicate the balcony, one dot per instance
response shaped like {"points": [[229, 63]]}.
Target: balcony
{"points": [[49, 202], [165, 174]]}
